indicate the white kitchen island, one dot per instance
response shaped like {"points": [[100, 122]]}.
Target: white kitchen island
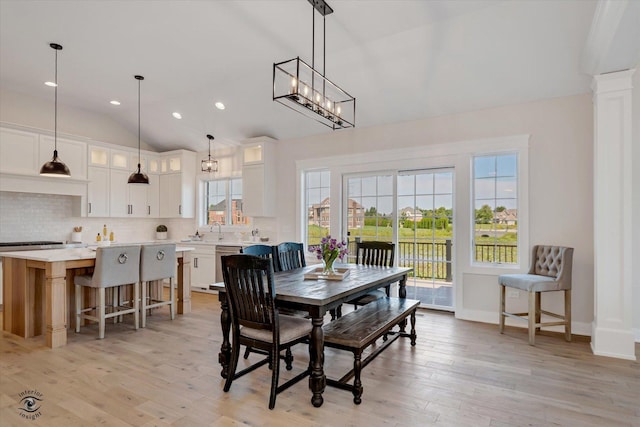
{"points": [[38, 292]]}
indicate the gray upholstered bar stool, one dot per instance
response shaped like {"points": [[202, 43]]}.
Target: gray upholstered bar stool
{"points": [[115, 266], [157, 262], [550, 270]]}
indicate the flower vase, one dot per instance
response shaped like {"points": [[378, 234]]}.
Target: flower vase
{"points": [[327, 266]]}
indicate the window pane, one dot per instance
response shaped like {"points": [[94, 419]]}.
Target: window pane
{"points": [[318, 206], [495, 203]]}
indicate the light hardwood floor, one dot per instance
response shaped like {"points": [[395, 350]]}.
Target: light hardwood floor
{"points": [[459, 374]]}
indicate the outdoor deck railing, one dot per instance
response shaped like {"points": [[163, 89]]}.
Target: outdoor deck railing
{"points": [[433, 259]]}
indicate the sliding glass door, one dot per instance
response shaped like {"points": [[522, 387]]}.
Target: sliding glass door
{"points": [[413, 209], [425, 234]]}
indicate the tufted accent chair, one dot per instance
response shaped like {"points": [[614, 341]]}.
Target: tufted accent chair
{"points": [[549, 270]]}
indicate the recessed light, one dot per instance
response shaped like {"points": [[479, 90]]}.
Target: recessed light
{"points": [[114, 102], [177, 115], [220, 105], [51, 84]]}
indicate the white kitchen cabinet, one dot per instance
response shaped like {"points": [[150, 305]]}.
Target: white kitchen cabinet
{"points": [[72, 153], [127, 200], [98, 156], [153, 196], [203, 269], [177, 185], [259, 178], [98, 192], [19, 151]]}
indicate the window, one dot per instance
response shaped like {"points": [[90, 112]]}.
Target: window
{"points": [[369, 209], [223, 199], [495, 199], [318, 205]]}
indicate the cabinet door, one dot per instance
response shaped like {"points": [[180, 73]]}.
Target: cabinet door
{"points": [[170, 196], [19, 152], [72, 153], [98, 192], [119, 193], [138, 200], [153, 196], [203, 269], [253, 190]]}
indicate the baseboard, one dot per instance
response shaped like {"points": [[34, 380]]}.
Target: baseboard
{"points": [[577, 328]]}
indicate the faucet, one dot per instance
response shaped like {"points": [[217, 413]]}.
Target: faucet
{"points": [[220, 237]]}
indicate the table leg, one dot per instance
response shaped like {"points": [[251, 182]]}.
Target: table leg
{"points": [[225, 349], [184, 283], [317, 379], [402, 293], [56, 304]]}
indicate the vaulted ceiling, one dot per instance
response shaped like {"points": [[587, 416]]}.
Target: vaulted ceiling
{"points": [[401, 59]]}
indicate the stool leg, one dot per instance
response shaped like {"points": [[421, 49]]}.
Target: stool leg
{"points": [[172, 298], [502, 307], [532, 318], [78, 307], [538, 313], [567, 314], [143, 304], [134, 304], [101, 309]]}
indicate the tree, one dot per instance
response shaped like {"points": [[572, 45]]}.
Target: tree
{"points": [[484, 215], [501, 209]]}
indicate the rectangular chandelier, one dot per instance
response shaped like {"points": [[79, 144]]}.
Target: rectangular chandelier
{"points": [[299, 86]]}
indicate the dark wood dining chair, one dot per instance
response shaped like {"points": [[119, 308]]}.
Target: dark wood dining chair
{"points": [[263, 251], [256, 321], [290, 255], [374, 253]]}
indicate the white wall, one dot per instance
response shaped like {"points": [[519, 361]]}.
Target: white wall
{"points": [[21, 109], [560, 183], [636, 200]]}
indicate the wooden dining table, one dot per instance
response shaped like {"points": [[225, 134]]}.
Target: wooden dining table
{"points": [[315, 296], [38, 290]]}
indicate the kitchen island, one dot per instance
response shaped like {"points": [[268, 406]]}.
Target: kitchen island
{"points": [[38, 293]]}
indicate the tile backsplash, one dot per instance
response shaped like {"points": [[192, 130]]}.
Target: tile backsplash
{"points": [[26, 216]]}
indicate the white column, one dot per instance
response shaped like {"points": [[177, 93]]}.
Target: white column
{"points": [[612, 329]]}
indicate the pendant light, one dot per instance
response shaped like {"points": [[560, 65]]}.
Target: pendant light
{"points": [[138, 177], [55, 167], [209, 164]]}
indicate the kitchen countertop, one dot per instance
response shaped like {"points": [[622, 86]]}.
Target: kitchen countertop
{"points": [[223, 243], [70, 254]]}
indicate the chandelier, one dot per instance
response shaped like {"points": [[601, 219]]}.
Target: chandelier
{"points": [[299, 86], [209, 164]]}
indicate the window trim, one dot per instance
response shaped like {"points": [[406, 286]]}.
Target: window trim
{"points": [[203, 206]]}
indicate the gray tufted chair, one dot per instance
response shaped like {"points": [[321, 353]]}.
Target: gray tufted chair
{"points": [[157, 262], [550, 270], [115, 266]]}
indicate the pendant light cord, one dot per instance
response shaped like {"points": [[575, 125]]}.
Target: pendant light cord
{"points": [[55, 113], [138, 125]]}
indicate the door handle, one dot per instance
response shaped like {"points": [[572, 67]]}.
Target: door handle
{"points": [[180, 209], [148, 210], [89, 207]]}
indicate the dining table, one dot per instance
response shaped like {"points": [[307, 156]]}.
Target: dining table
{"points": [[316, 297], [38, 289]]}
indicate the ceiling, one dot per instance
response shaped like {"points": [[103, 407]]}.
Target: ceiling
{"points": [[401, 59]]}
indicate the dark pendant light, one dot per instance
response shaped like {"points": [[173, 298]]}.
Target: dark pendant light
{"points": [[55, 167], [138, 177], [210, 165]]}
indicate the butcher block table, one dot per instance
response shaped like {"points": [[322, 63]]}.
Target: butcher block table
{"points": [[41, 282]]}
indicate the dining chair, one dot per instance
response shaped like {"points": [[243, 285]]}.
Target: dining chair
{"points": [[263, 251], [289, 256], [373, 253], [549, 270], [157, 262], [256, 321], [115, 266]]}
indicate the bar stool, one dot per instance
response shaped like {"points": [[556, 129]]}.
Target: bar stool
{"points": [[157, 262], [115, 266]]}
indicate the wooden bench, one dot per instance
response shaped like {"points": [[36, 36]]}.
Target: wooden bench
{"points": [[359, 329]]}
